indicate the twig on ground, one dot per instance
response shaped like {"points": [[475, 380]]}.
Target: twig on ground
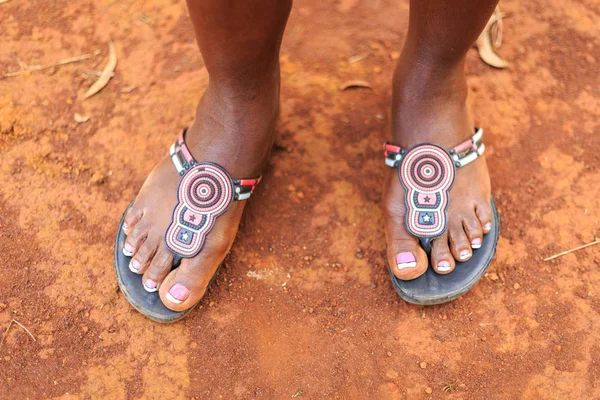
{"points": [[14, 321], [26, 330], [595, 242], [32, 68]]}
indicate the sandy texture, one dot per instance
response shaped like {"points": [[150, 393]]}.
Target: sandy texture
{"points": [[304, 305]]}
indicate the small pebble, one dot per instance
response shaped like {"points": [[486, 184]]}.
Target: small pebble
{"points": [[428, 390], [423, 364]]}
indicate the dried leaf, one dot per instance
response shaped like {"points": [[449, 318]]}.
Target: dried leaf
{"points": [[485, 42], [354, 84], [106, 72], [81, 118]]}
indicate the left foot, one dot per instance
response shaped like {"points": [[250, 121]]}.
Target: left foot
{"points": [[429, 105]]}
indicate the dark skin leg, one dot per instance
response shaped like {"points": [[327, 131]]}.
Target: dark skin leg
{"points": [[429, 105], [239, 41]]}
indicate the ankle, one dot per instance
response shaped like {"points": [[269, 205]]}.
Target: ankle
{"points": [[416, 80], [235, 127], [429, 103]]}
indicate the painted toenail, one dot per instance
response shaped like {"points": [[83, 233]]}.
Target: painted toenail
{"points": [[406, 260], [487, 226], [127, 250], [444, 266], [150, 286], [125, 227], [464, 254], [134, 266], [476, 243], [177, 294]]}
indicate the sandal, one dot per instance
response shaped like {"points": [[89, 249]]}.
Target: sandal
{"points": [[204, 193], [427, 173]]}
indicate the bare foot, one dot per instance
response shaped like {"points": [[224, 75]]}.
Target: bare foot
{"points": [[430, 106], [234, 129]]}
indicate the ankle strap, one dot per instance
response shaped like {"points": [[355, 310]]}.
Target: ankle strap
{"points": [[183, 160], [461, 155]]}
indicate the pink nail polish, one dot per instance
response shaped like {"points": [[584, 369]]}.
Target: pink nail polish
{"points": [[487, 226], [443, 266], [150, 286], [406, 260], [476, 243], [127, 250], [134, 265], [178, 293]]}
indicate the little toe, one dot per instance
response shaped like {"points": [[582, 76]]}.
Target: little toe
{"points": [[473, 229], [459, 242], [441, 257], [134, 215], [136, 237], [159, 268], [483, 210]]}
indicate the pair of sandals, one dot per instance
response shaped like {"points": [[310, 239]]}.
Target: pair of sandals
{"points": [[426, 172]]}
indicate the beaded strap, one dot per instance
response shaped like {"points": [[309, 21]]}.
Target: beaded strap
{"points": [[204, 193]]}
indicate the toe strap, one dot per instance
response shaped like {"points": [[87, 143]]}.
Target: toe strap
{"points": [[205, 192], [427, 174]]}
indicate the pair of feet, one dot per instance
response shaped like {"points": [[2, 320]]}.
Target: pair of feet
{"points": [[236, 131]]}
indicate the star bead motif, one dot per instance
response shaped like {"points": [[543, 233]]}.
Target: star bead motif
{"points": [[426, 218], [427, 199], [185, 236], [192, 218]]}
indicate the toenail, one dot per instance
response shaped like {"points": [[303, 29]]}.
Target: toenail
{"points": [[444, 266], [127, 250], [125, 227], [178, 293], [134, 266], [464, 254], [406, 260], [476, 243], [487, 226], [150, 286]]}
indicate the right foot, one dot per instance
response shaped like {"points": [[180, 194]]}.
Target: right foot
{"points": [[233, 129]]}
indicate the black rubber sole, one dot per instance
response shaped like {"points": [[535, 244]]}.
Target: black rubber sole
{"points": [[432, 288], [132, 287]]}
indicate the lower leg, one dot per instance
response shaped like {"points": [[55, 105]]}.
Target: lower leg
{"points": [[430, 74], [429, 105], [239, 41]]}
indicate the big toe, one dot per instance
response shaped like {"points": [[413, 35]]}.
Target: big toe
{"points": [[186, 285], [406, 258]]}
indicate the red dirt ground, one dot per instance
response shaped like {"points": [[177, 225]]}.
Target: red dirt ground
{"points": [[304, 305]]}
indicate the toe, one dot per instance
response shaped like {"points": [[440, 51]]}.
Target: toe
{"points": [[406, 258], [136, 237], [186, 285], [483, 211], [473, 229], [159, 268], [134, 215], [141, 259], [441, 257], [459, 242]]}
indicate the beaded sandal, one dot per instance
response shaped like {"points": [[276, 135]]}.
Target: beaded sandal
{"points": [[427, 173], [204, 193]]}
